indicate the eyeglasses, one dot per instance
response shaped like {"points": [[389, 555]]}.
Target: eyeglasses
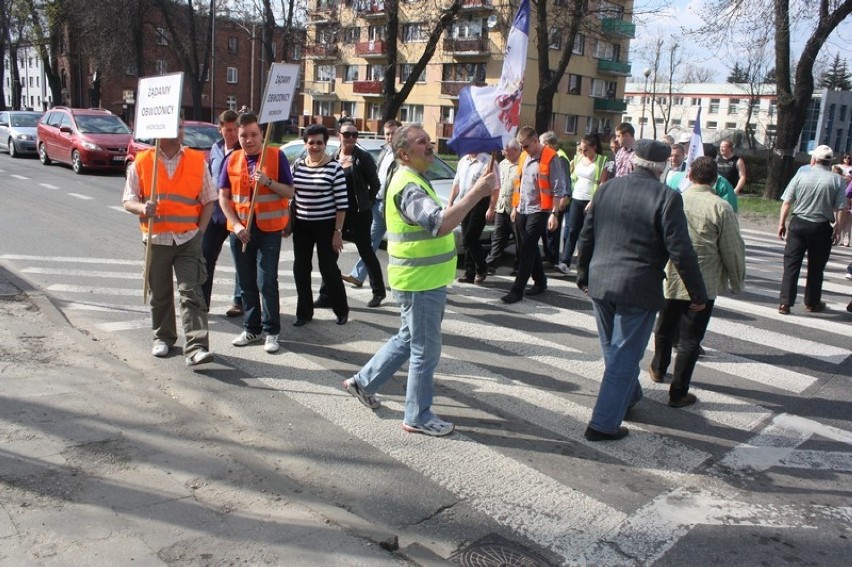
{"points": [[315, 143], [349, 134]]}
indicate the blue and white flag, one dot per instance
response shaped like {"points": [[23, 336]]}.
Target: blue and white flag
{"points": [[488, 117], [696, 150]]}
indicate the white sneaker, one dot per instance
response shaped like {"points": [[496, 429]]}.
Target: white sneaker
{"points": [[160, 349], [562, 267], [246, 338], [848, 276], [436, 427], [270, 343], [200, 357]]}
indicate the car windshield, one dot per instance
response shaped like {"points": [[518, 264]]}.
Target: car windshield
{"points": [[25, 120], [105, 124], [200, 137]]}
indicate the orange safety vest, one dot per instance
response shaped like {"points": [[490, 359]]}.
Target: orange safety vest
{"points": [[271, 210], [178, 207], [544, 188]]}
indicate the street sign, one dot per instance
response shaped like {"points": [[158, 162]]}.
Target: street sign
{"points": [[278, 96], [158, 106]]}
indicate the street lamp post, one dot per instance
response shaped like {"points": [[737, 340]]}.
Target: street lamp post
{"points": [[647, 73]]}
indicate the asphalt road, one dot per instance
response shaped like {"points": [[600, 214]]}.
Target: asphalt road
{"points": [[757, 473]]}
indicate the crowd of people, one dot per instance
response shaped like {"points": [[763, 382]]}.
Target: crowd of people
{"points": [[657, 240]]}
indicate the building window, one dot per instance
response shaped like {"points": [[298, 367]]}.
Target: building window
{"points": [[677, 101], [575, 84], [374, 111], [628, 119], [349, 108], [375, 72], [297, 52], [323, 108], [555, 41], [350, 73], [603, 89], [414, 33], [463, 72], [695, 101], [755, 105], [405, 71], [233, 45], [690, 124], [730, 125], [714, 106], [605, 50], [161, 67], [571, 124], [711, 124], [31, 81], [161, 37], [579, 44], [324, 73], [675, 122], [377, 33], [467, 28], [411, 113], [643, 120], [326, 35], [733, 106], [231, 101], [231, 75], [351, 36], [448, 114]]}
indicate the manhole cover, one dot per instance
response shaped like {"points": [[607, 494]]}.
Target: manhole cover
{"points": [[496, 551]]}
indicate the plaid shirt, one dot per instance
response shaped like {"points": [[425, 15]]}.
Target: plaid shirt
{"points": [[417, 207], [624, 162]]}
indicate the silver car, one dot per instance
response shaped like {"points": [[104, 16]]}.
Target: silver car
{"points": [[18, 132]]}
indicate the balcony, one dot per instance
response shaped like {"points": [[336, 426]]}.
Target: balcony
{"points": [[453, 88], [619, 68], [319, 89], [322, 52], [471, 6], [374, 48], [323, 11], [370, 9], [467, 46], [616, 27], [367, 87], [610, 105]]}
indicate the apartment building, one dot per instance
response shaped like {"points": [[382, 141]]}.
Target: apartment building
{"points": [[725, 113], [35, 94], [346, 55]]}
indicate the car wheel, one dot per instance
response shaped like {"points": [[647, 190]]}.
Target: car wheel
{"points": [[42, 154], [12, 152], [76, 162]]}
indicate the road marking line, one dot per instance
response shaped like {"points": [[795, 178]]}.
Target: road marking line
{"points": [[818, 323], [79, 196], [120, 209], [83, 273], [71, 259], [48, 186], [21, 177]]}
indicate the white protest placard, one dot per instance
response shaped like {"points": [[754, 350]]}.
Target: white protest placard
{"points": [[278, 95], [158, 106]]}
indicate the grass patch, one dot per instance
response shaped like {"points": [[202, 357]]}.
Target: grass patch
{"points": [[758, 206]]}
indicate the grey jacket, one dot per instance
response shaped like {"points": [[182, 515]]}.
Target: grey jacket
{"points": [[635, 225]]}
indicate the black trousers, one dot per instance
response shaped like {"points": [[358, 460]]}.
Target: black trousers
{"points": [[357, 228], [813, 239], [211, 246], [676, 322], [503, 228], [306, 236], [574, 224], [530, 228], [472, 226], [551, 240]]}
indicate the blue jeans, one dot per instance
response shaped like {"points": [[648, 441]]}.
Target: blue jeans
{"points": [[624, 333], [417, 342], [377, 232], [571, 232], [211, 246], [257, 269]]}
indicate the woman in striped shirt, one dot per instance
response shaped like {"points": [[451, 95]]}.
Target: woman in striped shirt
{"points": [[320, 209]]}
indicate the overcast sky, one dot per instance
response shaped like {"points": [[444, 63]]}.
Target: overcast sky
{"points": [[679, 16]]}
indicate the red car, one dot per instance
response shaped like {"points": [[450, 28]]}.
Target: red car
{"points": [[196, 135], [91, 138]]}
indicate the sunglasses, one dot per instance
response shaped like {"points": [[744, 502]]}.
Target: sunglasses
{"points": [[315, 143], [349, 134]]}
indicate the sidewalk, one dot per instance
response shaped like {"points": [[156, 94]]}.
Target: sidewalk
{"points": [[99, 468]]}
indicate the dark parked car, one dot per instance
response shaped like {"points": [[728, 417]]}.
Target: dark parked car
{"points": [[196, 135], [18, 131], [91, 138]]}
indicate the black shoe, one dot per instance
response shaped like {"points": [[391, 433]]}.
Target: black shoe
{"points": [[300, 322], [595, 435], [513, 273], [849, 307], [322, 302], [479, 279], [547, 264], [511, 297], [818, 308], [342, 319], [466, 279], [536, 289], [701, 351], [491, 270], [687, 400], [376, 301], [656, 376]]}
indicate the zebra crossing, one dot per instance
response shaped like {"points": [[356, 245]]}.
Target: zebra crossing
{"points": [[534, 368]]}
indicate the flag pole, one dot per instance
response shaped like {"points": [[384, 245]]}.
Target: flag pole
{"points": [[256, 183], [145, 287]]}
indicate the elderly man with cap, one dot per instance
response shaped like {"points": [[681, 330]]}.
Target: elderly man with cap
{"points": [[815, 196], [633, 228]]}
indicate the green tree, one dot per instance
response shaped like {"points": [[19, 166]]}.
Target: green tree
{"points": [[738, 74], [837, 77]]}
